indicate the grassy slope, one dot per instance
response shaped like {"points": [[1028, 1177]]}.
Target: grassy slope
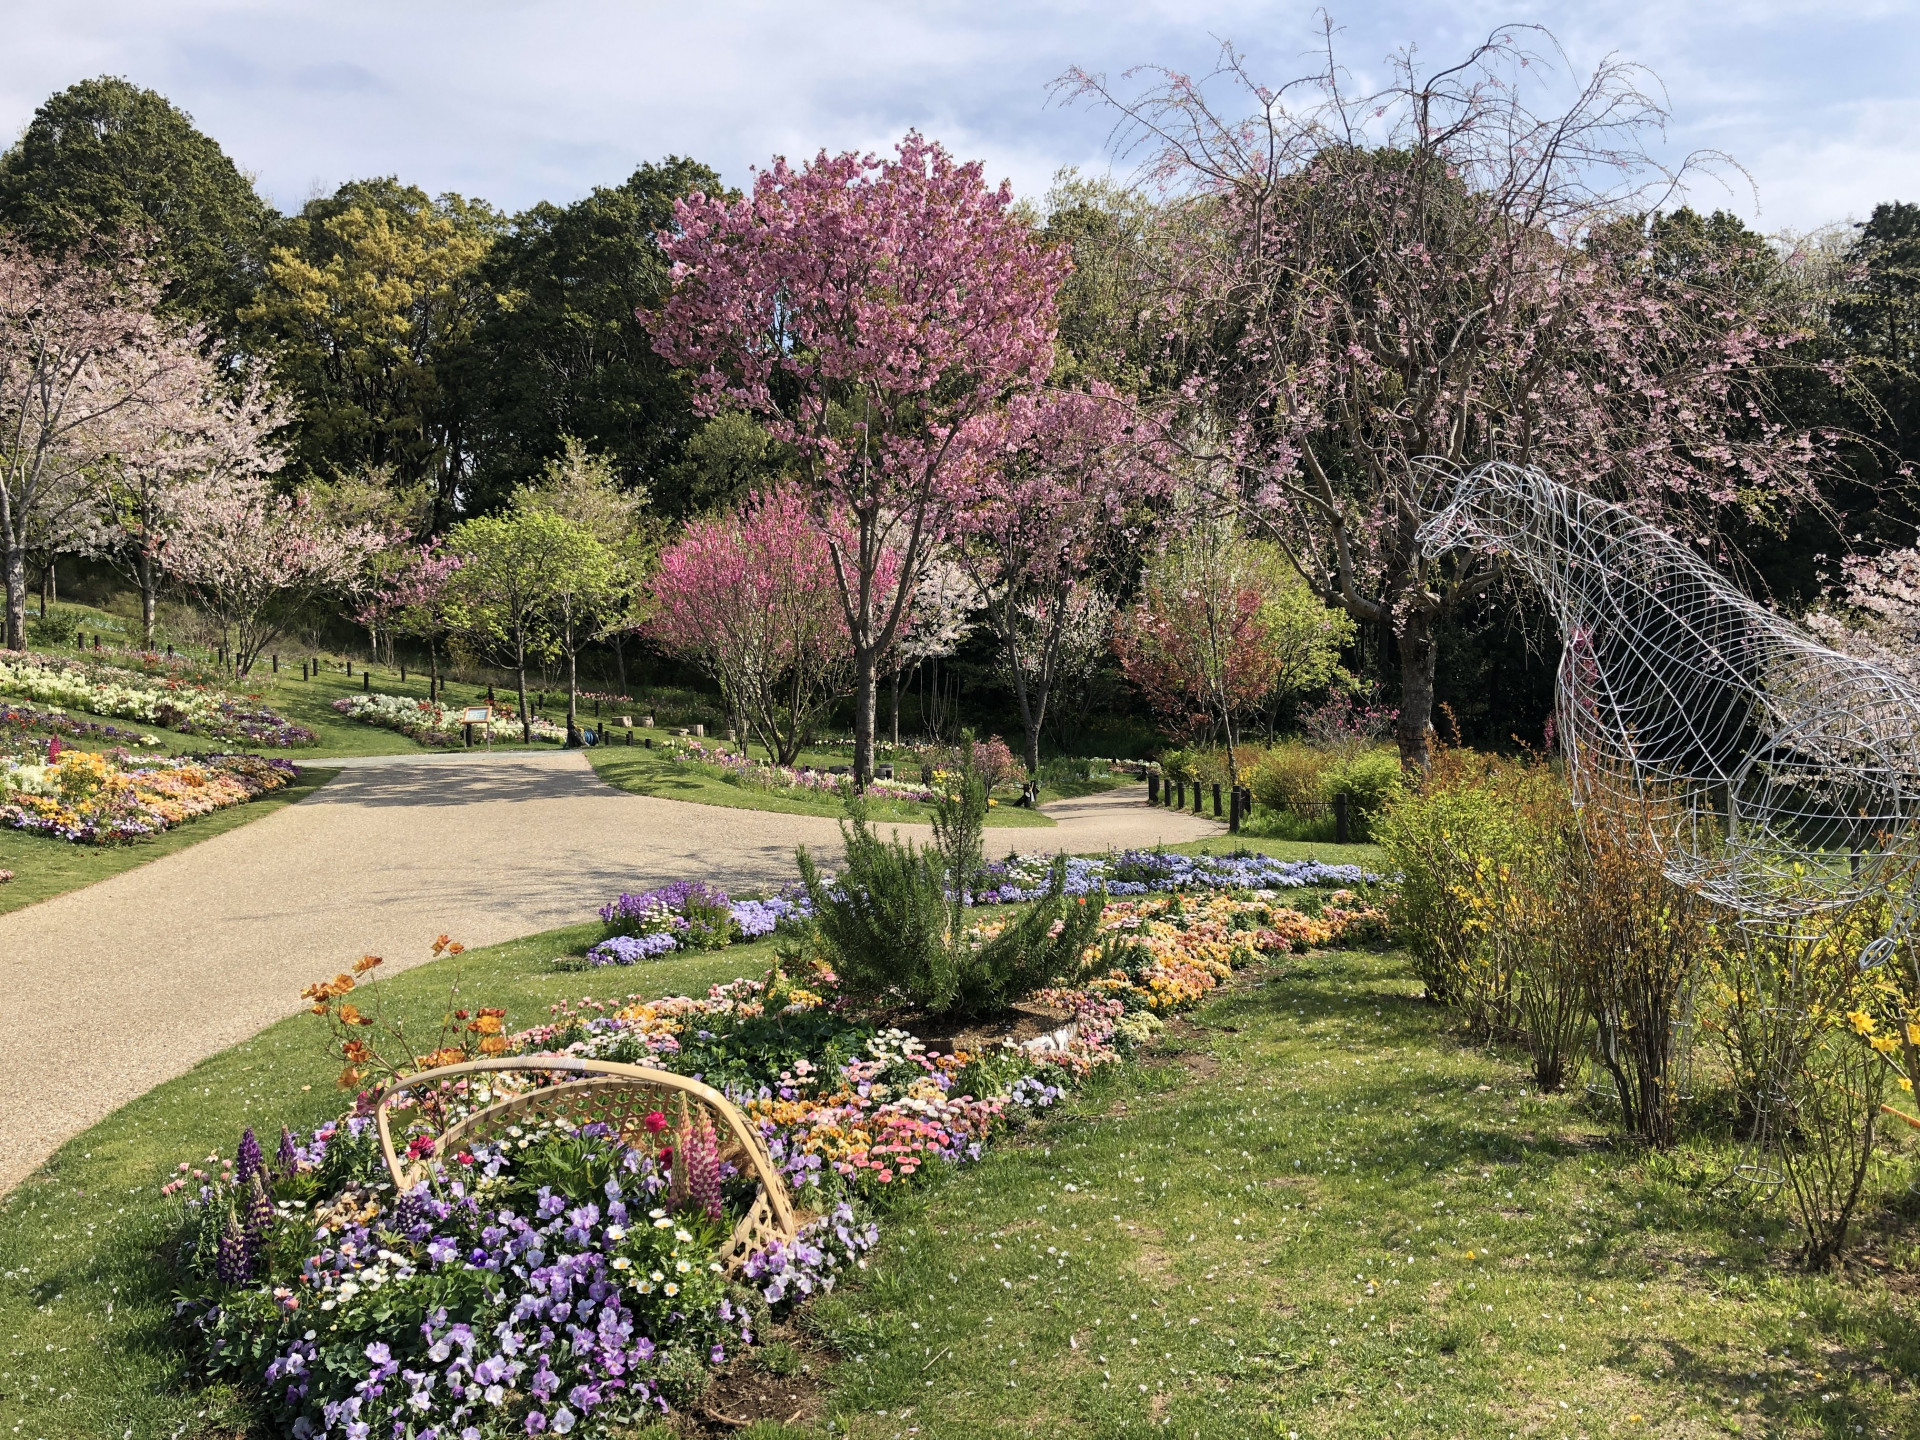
{"points": [[651, 772], [44, 867], [82, 1306], [1333, 1218]]}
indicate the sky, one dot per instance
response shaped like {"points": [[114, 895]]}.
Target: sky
{"points": [[518, 102]]}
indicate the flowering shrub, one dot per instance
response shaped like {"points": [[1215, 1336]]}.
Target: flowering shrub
{"points": [[97, 798], [431, 724], [157, 699]]}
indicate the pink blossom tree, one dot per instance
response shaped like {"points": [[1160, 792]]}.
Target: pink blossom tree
{"points": [[1370, 291], [413, 599], [198, 424], [1057, 497], [253, 558], [89, 378], [874, 313], [751, 597]]}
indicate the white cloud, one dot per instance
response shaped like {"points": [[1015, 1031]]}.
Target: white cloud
{"points": [[523, 101]]}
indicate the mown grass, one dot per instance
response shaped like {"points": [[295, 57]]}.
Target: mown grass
{"points": [[86, 1347], [1323, 1215], [640, 771], [44, 866]]}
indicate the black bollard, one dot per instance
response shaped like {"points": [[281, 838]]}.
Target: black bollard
{"points": [[629, 737], [1197, 790], [1216, 799], [276, 664], [1153, 788], [1340, 819], [366, 681]]}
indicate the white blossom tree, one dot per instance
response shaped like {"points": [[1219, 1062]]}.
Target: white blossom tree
{"points": [[253, 558]]}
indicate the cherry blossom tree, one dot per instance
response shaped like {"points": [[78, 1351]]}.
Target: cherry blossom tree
{"points": [[751, 597], [413, 599], [873, 313], [88, 378], [253, 558], [941, 617], [1198, 642], [200, 424], [1058, 495], [1369, 291]]}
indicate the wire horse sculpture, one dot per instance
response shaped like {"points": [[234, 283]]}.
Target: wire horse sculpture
{"points": [[1781, 779]]}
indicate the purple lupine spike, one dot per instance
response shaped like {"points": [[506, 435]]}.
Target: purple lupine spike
{"points": [[249, 1162], [259, 1214], [287, 1160], [231, 1261]]}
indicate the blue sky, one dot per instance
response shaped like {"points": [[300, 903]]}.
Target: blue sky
{"points": [[517, 102]]}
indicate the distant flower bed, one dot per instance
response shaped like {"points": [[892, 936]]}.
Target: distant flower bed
{"points": [[432, 724], [92, 798], [765, 778], [155, 699], [1141, 872], [58, 722], [686, 915]]}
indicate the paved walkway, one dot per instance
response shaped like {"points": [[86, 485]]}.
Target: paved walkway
{"points": [[107, 991]]}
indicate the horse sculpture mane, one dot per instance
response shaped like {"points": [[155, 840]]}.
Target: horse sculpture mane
{"points": [[1780, 777]]}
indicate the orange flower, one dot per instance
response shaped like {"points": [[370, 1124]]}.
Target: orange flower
{"points": [[351, 1016], [349, 1078], [342, 984], [486, 1024], [357, 1051], [456, 948], [494, 1045], [366, 963]]}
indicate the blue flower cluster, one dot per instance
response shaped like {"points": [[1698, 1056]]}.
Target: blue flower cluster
{"points": [[626, 949], [807, 1266], [658, 921], [1021, 878]]}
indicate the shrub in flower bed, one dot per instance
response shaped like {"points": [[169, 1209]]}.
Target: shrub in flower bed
{"points": [[432, 724], [157, 699], [22, 718], [104, 798]]}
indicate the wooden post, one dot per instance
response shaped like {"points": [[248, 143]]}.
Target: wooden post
{"points": [[1197, 788], [276, 664], [366, 680], [1216, 799], [1153, 788], [1340, 819]]}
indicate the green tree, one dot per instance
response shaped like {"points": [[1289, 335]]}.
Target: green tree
{"points": [[370, 299], [105, 157], [560, 352], [1301, 634], [504, 597]]}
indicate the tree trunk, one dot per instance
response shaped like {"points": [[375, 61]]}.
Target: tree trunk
{"points": [[143, 568], [520, 674], [1417, 657], [46, 588], [895, 712], [620, 659], [16, 598], [866, 684]]}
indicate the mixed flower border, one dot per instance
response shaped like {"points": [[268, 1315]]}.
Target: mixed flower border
{"points": [[565, 1278], [165, 700], [89, 797], [429, 723]]}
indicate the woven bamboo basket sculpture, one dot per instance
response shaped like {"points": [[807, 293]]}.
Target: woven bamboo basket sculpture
{"points": [[619, 1097]]}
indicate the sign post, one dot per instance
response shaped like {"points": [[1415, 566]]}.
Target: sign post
{"points": [[478, 715]]}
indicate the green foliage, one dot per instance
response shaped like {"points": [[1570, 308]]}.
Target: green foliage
{"points": [[1288, 777], [559, 350], [107, 158], [893, 927], [1371, 780], [55, 630]]}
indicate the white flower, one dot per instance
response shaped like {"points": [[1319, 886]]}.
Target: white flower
{"points": [[673, 1289], [620, 1262], [681, 1267], [683, 1237]]}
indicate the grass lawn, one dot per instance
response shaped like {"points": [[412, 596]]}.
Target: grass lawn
{"points": [[43, 866], [652, 772], [1313, 1212]]}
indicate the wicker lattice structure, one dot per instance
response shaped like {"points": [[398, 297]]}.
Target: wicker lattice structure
{"points": [[1781, 778], [619, 1096]]}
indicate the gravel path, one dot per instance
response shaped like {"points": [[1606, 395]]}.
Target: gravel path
{"points": [[109, 990]]}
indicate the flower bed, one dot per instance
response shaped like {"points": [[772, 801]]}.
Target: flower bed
{"points": [[765, 778], [1140, 872], [431, 724], [171, 703], [570, 1278], [686, 915], [97, 798], [57, 722]]}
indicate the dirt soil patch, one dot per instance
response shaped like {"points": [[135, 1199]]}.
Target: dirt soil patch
{"points": [[745, 1394], [1027, 1020]]}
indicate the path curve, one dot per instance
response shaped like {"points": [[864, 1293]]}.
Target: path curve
{"points": [[107, 991]]}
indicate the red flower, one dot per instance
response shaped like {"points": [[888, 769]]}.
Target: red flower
{"points": [[655, 1122]]}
